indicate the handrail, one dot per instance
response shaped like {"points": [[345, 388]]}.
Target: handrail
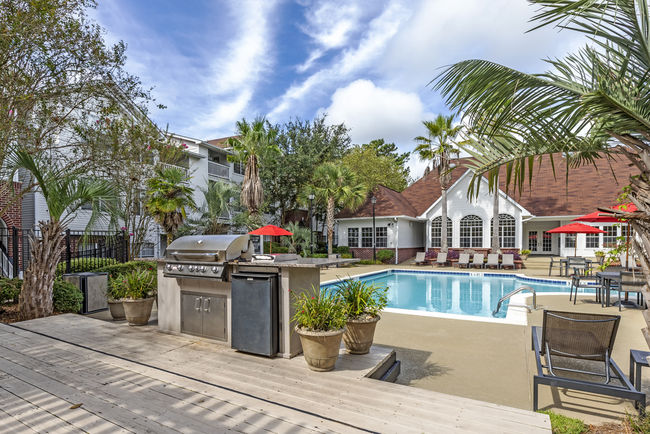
{"points": [[517, 291]]}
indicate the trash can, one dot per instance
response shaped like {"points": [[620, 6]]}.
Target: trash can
{"points": [[93, 286]]}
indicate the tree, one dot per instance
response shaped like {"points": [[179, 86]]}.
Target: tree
{"points": [[215, 213], [390, 150], [373, 169], [305, 145], [438, 146], [335, 186], [254, 146], [65, 191], [168, 198], [299, 241], [54, 65], [590, 105]]}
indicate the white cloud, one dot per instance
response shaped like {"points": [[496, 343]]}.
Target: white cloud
{"points": [[374, 113]]}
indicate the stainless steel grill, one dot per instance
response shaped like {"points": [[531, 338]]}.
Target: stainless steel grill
{"points": [[207, 256]]}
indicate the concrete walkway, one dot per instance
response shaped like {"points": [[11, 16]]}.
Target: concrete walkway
{"points": [[494, 362]]}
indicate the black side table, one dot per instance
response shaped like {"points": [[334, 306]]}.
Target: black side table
{"points": [[638, 359]]}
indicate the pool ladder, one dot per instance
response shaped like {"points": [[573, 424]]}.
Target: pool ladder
{"points": [[517, 291]]}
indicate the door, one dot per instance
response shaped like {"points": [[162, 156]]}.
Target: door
{"points": [[214, 317], [191, 305]]}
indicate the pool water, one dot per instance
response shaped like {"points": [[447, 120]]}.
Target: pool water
{"points": [[474, 294]]}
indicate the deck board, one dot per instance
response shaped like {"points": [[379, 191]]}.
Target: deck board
{"points": [[143, 381]]}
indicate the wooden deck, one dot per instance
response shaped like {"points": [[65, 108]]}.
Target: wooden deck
{"points": [[132, 379]]}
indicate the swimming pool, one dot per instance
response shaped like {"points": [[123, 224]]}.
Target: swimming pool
{"points": [[473, 294]]}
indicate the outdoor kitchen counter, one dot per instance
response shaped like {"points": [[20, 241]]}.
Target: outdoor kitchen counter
{"points": [[299, 263]]}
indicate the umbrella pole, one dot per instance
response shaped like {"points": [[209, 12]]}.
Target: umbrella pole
{"points": [[627, 247]]}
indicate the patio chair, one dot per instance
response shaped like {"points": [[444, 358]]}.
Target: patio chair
{"points": [[555, 262], [477, 260], [600, 260], [588, 338], [578, 262], [463, 259], [419, 259], [441, 260], [580, 280], [630, 282], [508, 260], [492, 261]]}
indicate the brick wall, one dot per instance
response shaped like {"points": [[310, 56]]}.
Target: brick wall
{"points": [[13, 216]]}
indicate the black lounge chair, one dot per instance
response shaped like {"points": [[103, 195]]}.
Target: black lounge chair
{"points": [[584, 336]]}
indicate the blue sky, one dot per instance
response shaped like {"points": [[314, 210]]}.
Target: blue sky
{"points": [[365, 63]]}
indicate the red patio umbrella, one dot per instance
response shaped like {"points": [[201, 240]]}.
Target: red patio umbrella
{"points": [[576, 228], [270, 230]]}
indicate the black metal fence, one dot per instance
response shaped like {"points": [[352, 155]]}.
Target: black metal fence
{"points": [[81, 251]]}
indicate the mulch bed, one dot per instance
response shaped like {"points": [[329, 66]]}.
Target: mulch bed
{"points": [[10, 313], [611, 428]]}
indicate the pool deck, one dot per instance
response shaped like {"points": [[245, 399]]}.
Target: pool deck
{"points": [[494, 362], [71, 373]]}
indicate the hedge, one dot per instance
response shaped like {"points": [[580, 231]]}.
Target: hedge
{"points": [[84, 265], [385, 255], [127, 267], [66, 297]]}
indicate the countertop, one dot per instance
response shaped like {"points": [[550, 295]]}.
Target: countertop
{"points": [[299, 263]]}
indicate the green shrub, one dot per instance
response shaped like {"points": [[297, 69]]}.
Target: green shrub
{"points": [[318, 255], [116, 288], [341, 249], [10, 290], [638, 423], [385, 255], [127, 267], [84, 265], [267, 246], [368, 262], [561, 424], [67, 298], [346, 255], [139, 284], [361, 298], [319, 310]]}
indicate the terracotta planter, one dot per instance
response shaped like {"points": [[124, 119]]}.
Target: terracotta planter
{"points": [[321, 349], [138, 312], [117, 309], [359, 335]]}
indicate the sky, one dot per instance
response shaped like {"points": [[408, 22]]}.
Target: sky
{"points": [[365, 63]]}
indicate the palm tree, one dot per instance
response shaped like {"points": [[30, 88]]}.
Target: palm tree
{"points": [[168, 196], [65, 192], [583, 106], [255, 144], [438, 148], [216, 208], [336, 186], [299, 241]]}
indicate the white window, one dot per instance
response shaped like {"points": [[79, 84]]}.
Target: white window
{"points": [[471, 231], [506, 230], [366, 237], [609, 239], [436, 232], [353, 237], [381, 235], [146, 250]]}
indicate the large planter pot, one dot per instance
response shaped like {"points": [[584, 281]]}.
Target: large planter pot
{"points": [[138, 312], [523, 257], [321, 349], [117, 309], [359, 335]]}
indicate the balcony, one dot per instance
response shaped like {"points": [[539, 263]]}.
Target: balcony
{"points": [[185, 170], [218, 170]]}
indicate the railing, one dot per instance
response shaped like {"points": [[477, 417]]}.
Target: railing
{"points": [[185, 170], [516, 291], [219, 170]]}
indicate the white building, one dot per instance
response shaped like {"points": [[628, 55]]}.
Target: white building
{"points": [[410, 221]]}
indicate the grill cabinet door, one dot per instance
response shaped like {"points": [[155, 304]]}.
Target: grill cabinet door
{"points": [[214, 317], [191, 313]]}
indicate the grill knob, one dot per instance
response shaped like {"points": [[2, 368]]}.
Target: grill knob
{"points": [[190, 268], [215, 269], [170, 267], [180, 267], [202, 269]]}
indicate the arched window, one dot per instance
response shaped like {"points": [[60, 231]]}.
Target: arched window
{"points": [[471, 231], [506, 230], [436, 232]]}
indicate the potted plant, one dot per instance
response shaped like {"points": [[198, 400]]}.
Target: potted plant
{"points": [[320, 321], [523, 254], [141, 287], [115, 294], [363, 303]]}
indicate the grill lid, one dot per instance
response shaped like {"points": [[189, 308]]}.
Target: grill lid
{"points": [[208, 248]]}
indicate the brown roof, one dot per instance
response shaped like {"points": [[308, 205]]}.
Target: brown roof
{"points": [[588, 187], [221, 143], [389, 203]]}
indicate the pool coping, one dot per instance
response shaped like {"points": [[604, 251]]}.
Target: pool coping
{"points": [[515, 315]]}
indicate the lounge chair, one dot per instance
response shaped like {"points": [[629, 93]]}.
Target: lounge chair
{"points": [[583, 336], [492, 261], [441, 260], [463, 259], [508, 261], [555, 262], [477, 260], [579, 280], [419, 259]]}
